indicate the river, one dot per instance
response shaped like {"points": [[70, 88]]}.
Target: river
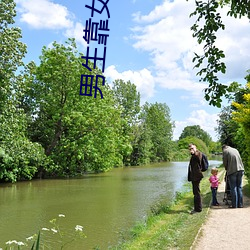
{"points": [[104, 204]]}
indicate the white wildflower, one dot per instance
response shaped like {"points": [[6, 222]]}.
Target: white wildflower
{"points": [[29, 238], [20, 243], [10, 242], [54, 230], [61, 215], [78, 228], [45, 229]]}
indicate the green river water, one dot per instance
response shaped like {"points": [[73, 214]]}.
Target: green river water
{"points": [[104, 204]]}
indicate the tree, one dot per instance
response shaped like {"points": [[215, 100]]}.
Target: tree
{"points": [[242, 117], [20, 158], [79, 133], [183, 144], [227, 127], [196, 131], [230, 130], [233, 123], [142, 145], [157, 122], [208, 23], [12, 50], [128, 99]]}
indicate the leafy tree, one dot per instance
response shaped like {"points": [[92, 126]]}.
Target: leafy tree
{"points": [[179, 154], [241, 116], [183, 144], [12, 50], [19, 157], [233, 124], [196, 131], [156, 120], [128, 99], [79, 133], [208, 23], [142, 145], [215, 147], [227, 127]]}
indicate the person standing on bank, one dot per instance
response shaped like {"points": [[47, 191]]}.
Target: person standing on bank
{"points": [[235, 169], [195, 175]]}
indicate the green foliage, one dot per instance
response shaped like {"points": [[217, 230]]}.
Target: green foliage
{"points": [[128, 100], [215, 147], [12, 50], [156, 121], [20, 157], [142, 145], [205, 28], [227, 127], [238, 8], [196, 131], [79, 133], [181, 154], [36, 243], [201, 146], [242, 117], [233, 123], [210, 19]]}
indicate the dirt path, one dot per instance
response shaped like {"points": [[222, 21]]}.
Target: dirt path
{"points": [[225, 228]]}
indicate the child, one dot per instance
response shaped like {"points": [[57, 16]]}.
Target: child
{"points": [[214, 185]]}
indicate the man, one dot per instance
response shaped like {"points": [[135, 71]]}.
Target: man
{"points": [[195, 175], [235, 170]]}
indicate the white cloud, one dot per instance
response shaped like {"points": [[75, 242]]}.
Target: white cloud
{"points": [[208, 122], [77, 32], [234, 41], [143, 80], [44, 14], [159, 12], [165, 33]]}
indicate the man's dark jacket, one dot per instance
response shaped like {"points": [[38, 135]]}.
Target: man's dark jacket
{"points": [[194, 169]]}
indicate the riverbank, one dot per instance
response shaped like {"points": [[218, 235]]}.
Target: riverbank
{"points": [[177, 229], [173, 227]]}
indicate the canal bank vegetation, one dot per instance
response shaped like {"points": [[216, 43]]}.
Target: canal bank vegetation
{"points": [[48, 130], [170, 226]]}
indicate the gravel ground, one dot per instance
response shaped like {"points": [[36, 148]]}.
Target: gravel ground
{"points": [[225, 228]]}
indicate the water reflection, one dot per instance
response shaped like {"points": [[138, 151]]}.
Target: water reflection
{"points": [[105, 204]]}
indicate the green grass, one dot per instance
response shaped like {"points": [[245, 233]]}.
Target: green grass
{"points": [[170, 226], [246, 188]]}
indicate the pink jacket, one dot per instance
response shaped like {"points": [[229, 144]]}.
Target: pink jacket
{"points": [[214, 181]]}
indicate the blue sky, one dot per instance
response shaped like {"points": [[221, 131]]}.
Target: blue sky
{"points": [[149, 43]]}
